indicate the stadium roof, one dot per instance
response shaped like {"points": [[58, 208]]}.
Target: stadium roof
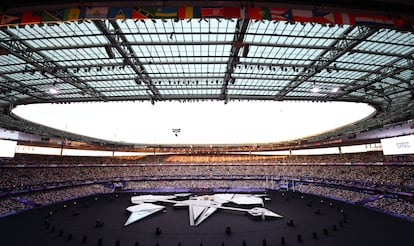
{"points": [[154, 53]]}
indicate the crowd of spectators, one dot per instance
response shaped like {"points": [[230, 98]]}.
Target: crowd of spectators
{"points": [[394, 206], [35, 177], [10, 204], [196, 184], [391, 177], [335, 193], [373, 157], [57, 195], [350, 158]]}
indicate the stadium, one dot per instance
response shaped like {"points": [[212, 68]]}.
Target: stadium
{"points": [[206, 123]]}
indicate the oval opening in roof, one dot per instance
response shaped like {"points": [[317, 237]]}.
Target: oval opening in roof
{"points": [[193, 123]]}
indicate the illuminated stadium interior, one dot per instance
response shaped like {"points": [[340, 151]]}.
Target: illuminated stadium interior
{"points": [[167, 53], [310, 106]]}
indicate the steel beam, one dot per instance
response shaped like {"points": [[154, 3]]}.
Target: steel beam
{"points": [[378, 75], [237, 44], [337, 49], [25, 52], [15, 85], [115, 40]]}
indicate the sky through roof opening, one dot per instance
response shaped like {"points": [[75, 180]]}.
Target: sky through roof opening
{"points": [[212, 122]]}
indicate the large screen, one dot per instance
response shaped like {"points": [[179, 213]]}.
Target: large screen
{"points": [[398, 145], [7, 148]]}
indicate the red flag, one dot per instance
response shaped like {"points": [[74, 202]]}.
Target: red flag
{"points": [[302, 15], [232, 12], [185, 12], [259, 13], [29, 18], [212, 12], [344, 18], [383, 20], [402, 23]]}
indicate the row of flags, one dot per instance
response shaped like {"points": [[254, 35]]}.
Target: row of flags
{"points": [[189, 12]]}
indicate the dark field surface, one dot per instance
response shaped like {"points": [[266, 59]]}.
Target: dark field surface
{"points": [[74, 223]]}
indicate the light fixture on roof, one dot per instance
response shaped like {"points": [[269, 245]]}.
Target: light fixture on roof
{"points": [[336, 67], [335, 90], [315, 89], [53, 90]]}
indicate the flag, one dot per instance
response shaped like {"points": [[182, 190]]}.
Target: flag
{"points": [[323, 17], [232, 12], [29, 17], [212, 12], [384, 21], [363, 20], [72, 14], [185, 12], [166, 12], [402, 24], [281, 14], [96, 12], [119, 13], [302, 15], [373, 20], [344, 18], [143, 13], [52, 15], [9, 19], [259, 13]]}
